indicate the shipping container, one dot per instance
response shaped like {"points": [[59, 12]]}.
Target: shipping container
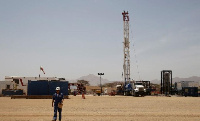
{"points": [[190, 91], [38, 88], [6, 92], [182, 84], [62, 84]]}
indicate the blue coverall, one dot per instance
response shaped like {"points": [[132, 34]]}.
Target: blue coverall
{"points": [[57, 99]]}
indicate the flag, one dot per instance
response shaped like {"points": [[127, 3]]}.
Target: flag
{"points": [[41, 69]]}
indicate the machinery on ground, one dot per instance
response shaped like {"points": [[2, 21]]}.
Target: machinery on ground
{"points": [[129, 87], [166, 82], [132, 89], [138, 89], [147, 86], [98, 92], [112, 93]]}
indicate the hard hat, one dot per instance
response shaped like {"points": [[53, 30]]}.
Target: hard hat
{"points": [[57, 88]]}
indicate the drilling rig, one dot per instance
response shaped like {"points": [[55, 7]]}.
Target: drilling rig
{"points": [[126, 43], [130, 88], [126, 65]]}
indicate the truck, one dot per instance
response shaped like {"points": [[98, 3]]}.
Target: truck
{"points": [[147, 86], [98, 92], [134, 89], [138, 89]]}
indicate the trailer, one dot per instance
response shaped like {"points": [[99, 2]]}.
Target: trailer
{"points": [[179, 86], [18, 82], [190, 91], [5, 85]]}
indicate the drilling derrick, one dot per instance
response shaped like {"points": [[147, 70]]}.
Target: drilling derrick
{"points": [[126, 43]]}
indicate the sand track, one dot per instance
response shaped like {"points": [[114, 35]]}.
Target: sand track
{"points": [[105, 108]]}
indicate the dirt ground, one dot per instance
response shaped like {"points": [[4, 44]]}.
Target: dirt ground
{"points": [[103, 108]]}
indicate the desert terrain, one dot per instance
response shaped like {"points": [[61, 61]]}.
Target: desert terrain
{"points": [[103, 108]]}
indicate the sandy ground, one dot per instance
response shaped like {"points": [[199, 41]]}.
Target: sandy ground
{"points": [[103, 108]]}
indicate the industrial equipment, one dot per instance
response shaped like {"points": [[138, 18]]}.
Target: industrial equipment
{"points": [[126, 65], [98, 92], [190, 91], [180, 87], [11, 92], [138, 89], [129, 87], [166, 82], [112, 93], [147, 86], [22, 82]]}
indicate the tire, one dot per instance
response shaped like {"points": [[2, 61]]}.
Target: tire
{"points": [[126, 93], [136, 94]]}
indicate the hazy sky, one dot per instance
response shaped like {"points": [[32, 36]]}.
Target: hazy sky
{"points": [[74, 38]]}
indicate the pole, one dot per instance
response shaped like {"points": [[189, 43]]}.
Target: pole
{"points": [[161, 87], [171, 82], [100, 81], [100, 85]]}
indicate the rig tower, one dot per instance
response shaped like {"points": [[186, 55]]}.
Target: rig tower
{"points": [[126, 43], [166, 82]]}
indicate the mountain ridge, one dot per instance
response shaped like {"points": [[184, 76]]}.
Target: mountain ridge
{"points": [[178, 79], [95, 80]]}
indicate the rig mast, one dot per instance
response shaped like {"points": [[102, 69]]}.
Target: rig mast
{"points": [[126, 43]]}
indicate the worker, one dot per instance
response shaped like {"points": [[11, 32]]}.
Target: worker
{"points": [[57, 103], [83, 89], [14, 85]]}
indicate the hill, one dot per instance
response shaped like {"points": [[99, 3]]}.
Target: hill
{"points": [[93, 80], [178, 79]]}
